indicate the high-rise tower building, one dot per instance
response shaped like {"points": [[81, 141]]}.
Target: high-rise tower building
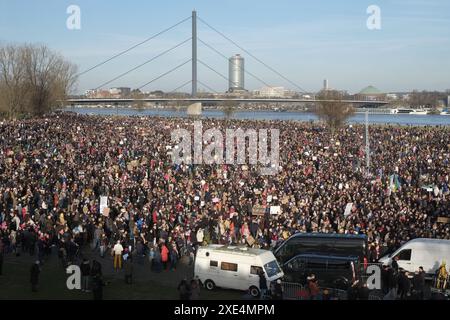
{"points": [[236, 73]]}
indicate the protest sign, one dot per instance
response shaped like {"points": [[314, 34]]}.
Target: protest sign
{"points": [[275, 210], [258, 210], [348, 209]]}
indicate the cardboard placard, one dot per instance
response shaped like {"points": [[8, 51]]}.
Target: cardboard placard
{"points": [[105, 212], [250, 240], [443, 220], [258, 210]]}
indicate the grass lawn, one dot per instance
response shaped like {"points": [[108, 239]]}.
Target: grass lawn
{"points": [[15, 283]]}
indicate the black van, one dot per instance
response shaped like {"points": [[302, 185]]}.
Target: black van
{"points": [[332, 244], [331, 271]]}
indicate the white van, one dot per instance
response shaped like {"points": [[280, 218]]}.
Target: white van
{"points": [[428, 253], [235, 267]]}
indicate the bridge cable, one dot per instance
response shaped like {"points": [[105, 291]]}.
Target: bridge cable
{"points": [[134, 46], [206, 86], [178, 88], [164, 74], [212, 69], [250, 54], [144, 63]]}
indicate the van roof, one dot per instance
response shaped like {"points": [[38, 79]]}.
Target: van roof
{"points": [[242, 250], [429, 240], [328, 235], [325, 257]]}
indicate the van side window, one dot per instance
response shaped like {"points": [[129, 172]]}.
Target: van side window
{"points": [[405, 255], [255, 270], [228, 266], [213, 263]]}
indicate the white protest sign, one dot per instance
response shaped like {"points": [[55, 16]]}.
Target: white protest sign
{"points": [[348, 209], [103, 203], [275, 210]]}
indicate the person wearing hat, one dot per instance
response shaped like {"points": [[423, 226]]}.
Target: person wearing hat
{"points": [[34, 276]]}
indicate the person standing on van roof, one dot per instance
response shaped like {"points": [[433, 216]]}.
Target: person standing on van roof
{"points": [[262, 284]]}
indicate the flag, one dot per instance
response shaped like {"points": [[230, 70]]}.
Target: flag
{"points": [[394, 183], [398, 186]]}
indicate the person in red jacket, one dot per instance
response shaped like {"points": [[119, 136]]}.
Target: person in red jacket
{"points": [[164, 256]]}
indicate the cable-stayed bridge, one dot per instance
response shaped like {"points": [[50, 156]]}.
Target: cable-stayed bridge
{"points": [[194, 82]]}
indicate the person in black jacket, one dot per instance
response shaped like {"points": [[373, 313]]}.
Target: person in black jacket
{"points": [[262, 284], [34, 276], [97, 287], [404, 284], [419, 283], [363, 292], [85, 273], [395, 264]]}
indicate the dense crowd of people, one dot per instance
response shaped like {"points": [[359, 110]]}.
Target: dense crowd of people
{"points": [[54, 170]]}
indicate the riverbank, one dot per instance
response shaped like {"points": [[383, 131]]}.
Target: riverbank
{"points": [[393, 119]]}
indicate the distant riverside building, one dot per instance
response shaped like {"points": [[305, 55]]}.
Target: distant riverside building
{"points": [[98, 93], [325, 84], [274, 92], [370, 93], [108, 93], [120, 92], [236, 73]]}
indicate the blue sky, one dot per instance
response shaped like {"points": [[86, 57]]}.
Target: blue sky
{"points": [[306, 41]]}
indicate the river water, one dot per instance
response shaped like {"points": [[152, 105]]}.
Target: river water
{"points": [[399, 119]]}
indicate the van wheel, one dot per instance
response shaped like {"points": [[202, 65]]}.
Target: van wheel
{"points": [[254, 291], [209, 284]]}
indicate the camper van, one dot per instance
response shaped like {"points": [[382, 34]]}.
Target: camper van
{"points": [[235, 267], [428, 253]]}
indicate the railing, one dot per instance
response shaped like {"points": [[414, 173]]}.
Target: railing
{"points": [[296, 291]]}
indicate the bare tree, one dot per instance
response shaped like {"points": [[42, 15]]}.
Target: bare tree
{"points": [[138, 103], [229, 107], [427, 99], [332, 109], [33, 80]]}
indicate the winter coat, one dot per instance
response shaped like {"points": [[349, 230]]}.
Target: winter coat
{"points": [[34, 274], [164, 254]]}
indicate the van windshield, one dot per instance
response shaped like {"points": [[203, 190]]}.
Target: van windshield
{"points": [[272, 268]]}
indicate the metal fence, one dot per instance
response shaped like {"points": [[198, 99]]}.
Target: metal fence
{"points": [[296, 291]]}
